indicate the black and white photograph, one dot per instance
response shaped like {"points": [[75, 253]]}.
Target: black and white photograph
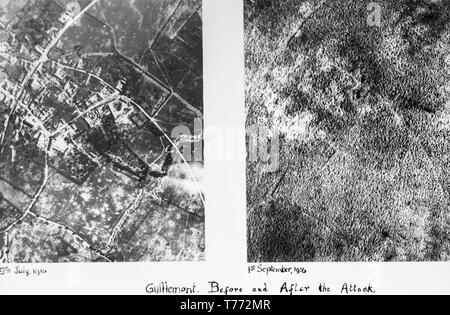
{"points": [[351, 103], [101, 131], [224, 155]]}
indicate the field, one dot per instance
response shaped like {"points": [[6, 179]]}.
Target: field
{"points": [[362, 110]]}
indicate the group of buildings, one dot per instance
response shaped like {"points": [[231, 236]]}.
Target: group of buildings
{"points": [[60, 101]]}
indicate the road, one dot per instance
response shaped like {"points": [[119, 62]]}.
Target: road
{"points": [[125, 216], [44, 56], [78, 238], [158, 82], [108, 100]]}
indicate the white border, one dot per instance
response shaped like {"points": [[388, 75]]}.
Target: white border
{"points": [[225, 192]]}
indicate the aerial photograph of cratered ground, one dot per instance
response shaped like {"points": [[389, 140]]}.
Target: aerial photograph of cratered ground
{"points": [[359, 93], [100, 102]]}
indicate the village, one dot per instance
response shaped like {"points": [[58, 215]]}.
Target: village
{"points": [[53, 104]]}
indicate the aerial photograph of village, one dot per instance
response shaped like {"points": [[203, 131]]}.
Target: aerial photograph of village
{"points": [[93, 166]]}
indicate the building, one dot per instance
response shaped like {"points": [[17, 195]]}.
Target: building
{"points": [[66, 17]]}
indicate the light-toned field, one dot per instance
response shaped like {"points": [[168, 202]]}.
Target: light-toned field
{"points": [[363, 115]]}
